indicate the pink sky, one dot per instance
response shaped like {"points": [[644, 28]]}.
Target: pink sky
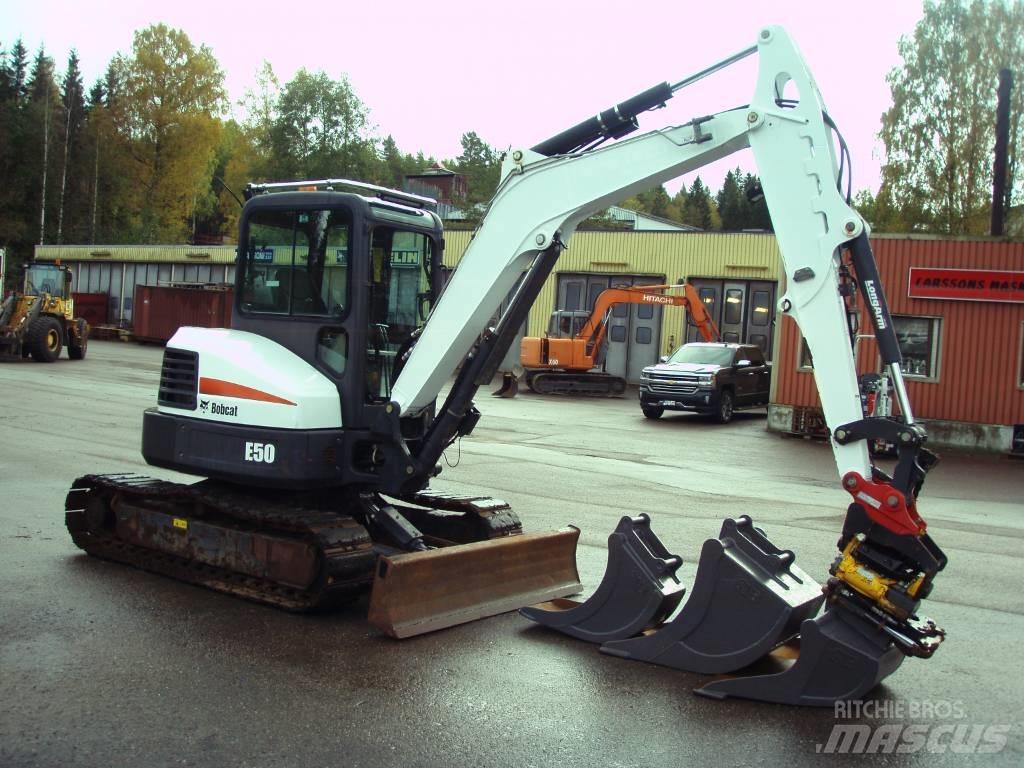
{"points": [[515, 73]]}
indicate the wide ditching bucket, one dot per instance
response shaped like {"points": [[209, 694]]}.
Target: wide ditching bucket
{"points": [[420, 592]]}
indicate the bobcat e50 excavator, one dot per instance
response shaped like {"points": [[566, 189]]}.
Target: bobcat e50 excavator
{"points": [[314, 417], [561, 361]]}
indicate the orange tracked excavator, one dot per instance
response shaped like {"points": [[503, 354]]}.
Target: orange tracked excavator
{"points": [[563, 361]]}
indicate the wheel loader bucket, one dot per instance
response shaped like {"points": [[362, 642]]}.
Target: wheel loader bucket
{"points": [[639, 589], [509, 386], [421, 592], [747, 598], [841, 657]]}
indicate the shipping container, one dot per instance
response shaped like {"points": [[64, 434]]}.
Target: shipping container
{"points": [[92, 306], [160, 310]]}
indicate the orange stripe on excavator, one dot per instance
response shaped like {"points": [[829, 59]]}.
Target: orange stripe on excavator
{"points": [[230, 389]]}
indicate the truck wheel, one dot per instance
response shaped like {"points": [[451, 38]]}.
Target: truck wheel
{"points": [[79, 343], [45, 339], [725, 407], [652, 412]]}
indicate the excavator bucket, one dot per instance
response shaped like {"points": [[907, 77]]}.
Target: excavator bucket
{"points": [[639, 589], [509, 386], [840, 657], [421, 592], [748, 597]]}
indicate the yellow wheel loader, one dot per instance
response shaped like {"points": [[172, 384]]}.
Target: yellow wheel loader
{"points": [[40, 319]]}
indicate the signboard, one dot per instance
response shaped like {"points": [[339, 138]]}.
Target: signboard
{"points": [[263, 254], [966, 284]]}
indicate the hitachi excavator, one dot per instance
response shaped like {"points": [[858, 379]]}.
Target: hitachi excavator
{"points": [[562, 361], [314, 418]]}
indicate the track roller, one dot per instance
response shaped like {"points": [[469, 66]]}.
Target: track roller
{"points": [[841, 657], [639, 589], [748, 597]]}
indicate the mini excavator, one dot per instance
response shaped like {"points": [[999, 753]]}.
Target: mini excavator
{"points": [[315, 424]]}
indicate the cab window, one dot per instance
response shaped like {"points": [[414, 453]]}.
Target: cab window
{"points": [[296, 263]]}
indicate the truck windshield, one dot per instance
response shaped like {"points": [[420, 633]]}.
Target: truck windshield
{"points": [[691, 353]]}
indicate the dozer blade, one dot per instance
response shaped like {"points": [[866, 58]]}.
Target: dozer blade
{"points": [[747, 598], [639, 589], [421, 592], [509, 386], [841, 657]]}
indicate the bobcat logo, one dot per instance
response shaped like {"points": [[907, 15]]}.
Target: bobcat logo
{"points": [[204, 405]]}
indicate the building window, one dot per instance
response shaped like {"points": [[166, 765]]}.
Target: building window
{"points": [[643, 335], [805, 362], [918, 339], [733, 306]]}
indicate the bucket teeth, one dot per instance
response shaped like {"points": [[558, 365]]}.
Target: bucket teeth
{"points": [[639, 589], [748, 597]]}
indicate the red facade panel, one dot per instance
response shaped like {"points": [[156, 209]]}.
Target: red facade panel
{"points": [[979, 347], [160, 311]]}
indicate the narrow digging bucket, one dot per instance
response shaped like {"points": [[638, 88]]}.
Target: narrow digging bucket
{"points": [[639, 589], [421, 592], [841, 657], [748, 597], [509, 386]]}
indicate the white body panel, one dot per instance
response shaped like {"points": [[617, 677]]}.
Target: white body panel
{"points": [[270, 371]]}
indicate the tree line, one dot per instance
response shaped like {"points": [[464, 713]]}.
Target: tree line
{"points": [[149, 153]]}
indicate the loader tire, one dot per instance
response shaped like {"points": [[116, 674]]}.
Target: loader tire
{"points": [[45, 339], [79, 343]]}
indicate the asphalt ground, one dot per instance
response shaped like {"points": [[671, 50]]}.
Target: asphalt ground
{"points": [[104, 665]]}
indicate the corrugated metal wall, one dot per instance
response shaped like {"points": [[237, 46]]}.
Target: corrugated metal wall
{"points": [[679, 255], [116, 270], [980, 344]]}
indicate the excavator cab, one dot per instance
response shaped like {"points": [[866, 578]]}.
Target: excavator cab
{"points": [[341, 280], [566, 323]]}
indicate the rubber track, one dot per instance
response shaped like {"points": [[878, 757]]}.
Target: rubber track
{"points": [[591, 384], [344, 546]]}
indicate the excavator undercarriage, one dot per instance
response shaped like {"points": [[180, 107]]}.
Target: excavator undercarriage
{"points": [[314, 553]]}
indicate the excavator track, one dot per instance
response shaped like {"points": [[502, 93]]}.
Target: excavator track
{"points": [[287, 556], [563, 383], [292, 558]]}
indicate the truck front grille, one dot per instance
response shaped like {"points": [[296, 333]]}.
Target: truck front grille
{"points": [[179, 379], [670, 384]]}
